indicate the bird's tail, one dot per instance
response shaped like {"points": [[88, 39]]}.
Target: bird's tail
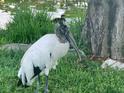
{"points": [[22, 78]]}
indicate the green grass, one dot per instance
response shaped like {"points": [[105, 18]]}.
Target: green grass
{"points": [[75, 12], [28, 27], [70, 76]]}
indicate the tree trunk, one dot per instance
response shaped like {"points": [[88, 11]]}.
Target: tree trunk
{"points": [[104, 28]]}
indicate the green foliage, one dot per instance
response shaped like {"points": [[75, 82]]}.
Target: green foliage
{"points": [[2, 36], [76, 28], [75, 12], [69, 77], [27, 27], [47, 5], [10, 1]]}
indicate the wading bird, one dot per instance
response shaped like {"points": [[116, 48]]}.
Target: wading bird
{"points": [[42, 56]]}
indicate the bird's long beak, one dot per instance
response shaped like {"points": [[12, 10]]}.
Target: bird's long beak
{"points": [[74, 45]]}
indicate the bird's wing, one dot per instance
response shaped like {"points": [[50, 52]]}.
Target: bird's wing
{"points": [[37, 70]]}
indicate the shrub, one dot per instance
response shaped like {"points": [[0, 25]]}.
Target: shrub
{"points": [[27, 27]]}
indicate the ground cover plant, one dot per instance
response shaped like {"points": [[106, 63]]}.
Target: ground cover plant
{"points": [[70, 76]]}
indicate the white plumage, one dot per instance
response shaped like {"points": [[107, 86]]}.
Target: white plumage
{"points": [[45, 52]]}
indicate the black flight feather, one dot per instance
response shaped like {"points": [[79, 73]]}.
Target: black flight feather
{"points": [[20, 82], [37, 70]]}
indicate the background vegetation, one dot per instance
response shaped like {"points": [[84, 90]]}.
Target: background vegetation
{"points": [[28, 27], [70, 76]]}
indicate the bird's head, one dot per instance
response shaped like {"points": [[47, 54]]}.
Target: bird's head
{"points": [[62, 32]]}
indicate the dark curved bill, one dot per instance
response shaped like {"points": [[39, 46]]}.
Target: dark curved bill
{"points": [[74, 45]]}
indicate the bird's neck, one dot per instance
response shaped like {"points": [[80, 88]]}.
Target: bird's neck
{"points": [[61, 38]]}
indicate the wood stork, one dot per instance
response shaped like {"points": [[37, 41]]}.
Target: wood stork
{"points": [[42, 56]]}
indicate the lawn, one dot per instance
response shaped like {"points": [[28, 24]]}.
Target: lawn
{"points": [[69, 77]]}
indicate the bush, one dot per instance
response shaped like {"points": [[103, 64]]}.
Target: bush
{"points": [[27, 27]]}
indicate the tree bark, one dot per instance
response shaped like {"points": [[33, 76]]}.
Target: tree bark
{"points": [[104, 28]]}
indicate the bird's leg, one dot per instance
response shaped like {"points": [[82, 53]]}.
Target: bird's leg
{"points": [[38, 81], [46, 86], [38, 84]]}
